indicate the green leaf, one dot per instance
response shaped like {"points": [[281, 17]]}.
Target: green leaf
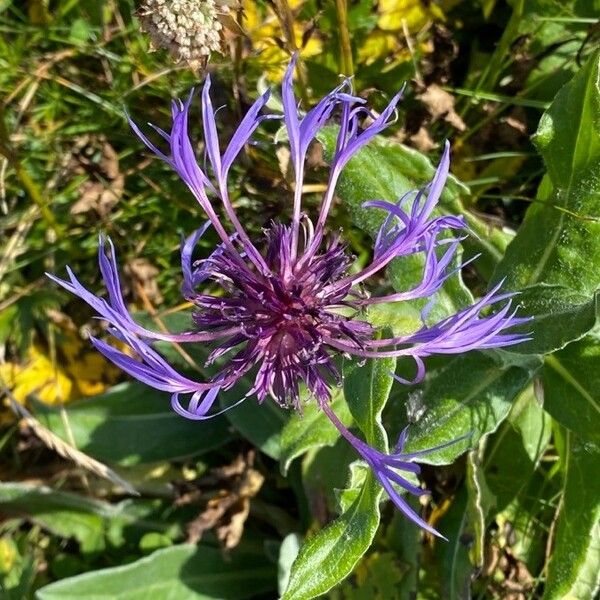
{"points": [[521, 441], [480, 501], [287, 554], [325, 479], [91, 522], [366, 389], [312, 429], [560, 316], [404, 539], [574, 568], [470, 396], [571, 380], [451, 558], [331, 554], [386, 170], [555, 256], [568, 133], [131, 424], [548, 30], [66, 515], [182, 572]]}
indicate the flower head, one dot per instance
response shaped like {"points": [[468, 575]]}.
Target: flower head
{"points": [[289, 303], [189, 29]]}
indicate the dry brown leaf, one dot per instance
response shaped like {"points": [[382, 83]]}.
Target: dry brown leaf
{"points": [[440, 105], [226, 512], [95, 157], [210, 516], [144, 273], [423, 141], [230, 534]]}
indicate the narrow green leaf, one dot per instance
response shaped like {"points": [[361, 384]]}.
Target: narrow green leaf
{"points": [[571, 380], [91, 522], [480, 501], [131, 424], [574, 568], [185, 572], [330, 555]]}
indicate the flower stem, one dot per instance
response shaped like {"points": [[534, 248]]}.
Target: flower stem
{"points": [[346, 64]]}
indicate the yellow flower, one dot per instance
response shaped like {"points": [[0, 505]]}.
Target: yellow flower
{"points": [[381, 44], [79, 372], [415, 12], [37, 376], [264, 30]]}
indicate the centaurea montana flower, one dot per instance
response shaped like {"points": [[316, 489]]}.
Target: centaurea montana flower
{"points": [[280, 314]]}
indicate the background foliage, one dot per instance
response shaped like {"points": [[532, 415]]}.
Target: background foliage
{"points": [[260, 503]]}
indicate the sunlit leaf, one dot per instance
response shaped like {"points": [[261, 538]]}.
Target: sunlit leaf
{"points": [[467, 398], [329, 556], [574, 568], [555, 257], [571, 380]]}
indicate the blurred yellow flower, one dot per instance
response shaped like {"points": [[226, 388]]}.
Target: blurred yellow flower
{"points": [[8, 555], [381, 44], [78, 373], [387, 40], [265, 30], [416, 13]]}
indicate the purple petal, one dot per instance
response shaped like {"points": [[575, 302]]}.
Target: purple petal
{"points": [[187, 248], [211, 137], [244, 132], [290, 110]]}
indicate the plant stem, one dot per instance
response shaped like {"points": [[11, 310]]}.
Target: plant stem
{"points": [[28, 184], [346, 64], [286, 18]]}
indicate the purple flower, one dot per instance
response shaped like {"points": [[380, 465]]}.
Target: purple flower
{"points": [[289, 303]]}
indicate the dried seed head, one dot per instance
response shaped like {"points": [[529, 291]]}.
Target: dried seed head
{"points": [[189, 29]]}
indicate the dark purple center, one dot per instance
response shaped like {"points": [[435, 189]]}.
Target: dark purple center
{"points": [[282, 317]]}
